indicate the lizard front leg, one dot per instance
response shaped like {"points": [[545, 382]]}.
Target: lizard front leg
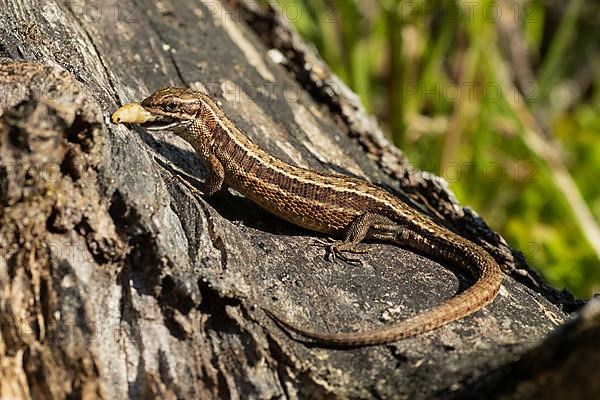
{"points": [[214, 179], [216, 175]]}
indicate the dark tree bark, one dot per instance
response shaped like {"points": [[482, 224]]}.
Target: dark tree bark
{"points": [[117, 282]]}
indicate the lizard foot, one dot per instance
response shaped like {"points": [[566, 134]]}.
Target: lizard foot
{"points": [[194, 190], [174, 175], [337, 248]]}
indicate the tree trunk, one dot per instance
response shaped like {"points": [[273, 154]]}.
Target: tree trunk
{"points": [[117, 282]]}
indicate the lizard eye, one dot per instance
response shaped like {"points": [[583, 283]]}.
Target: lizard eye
{"points": [[171, 106]]}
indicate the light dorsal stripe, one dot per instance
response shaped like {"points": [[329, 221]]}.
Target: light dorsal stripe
{"points": [[273, 163]]}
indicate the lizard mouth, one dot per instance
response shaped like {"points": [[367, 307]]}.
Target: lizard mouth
{"points": [[163, 123]]}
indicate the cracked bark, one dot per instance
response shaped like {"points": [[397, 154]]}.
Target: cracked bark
{"points": [[116, 282]]}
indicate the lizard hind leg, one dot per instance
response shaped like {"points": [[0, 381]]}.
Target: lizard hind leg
{"points": [[366, 225]]}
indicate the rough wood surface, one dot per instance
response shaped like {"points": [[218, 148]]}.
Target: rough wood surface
{"points": [[116, 282]]}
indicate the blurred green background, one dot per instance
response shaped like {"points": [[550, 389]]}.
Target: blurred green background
{"points": [[501, 98]]}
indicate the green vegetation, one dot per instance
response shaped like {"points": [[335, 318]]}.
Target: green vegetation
{"points": [[500, 98]]}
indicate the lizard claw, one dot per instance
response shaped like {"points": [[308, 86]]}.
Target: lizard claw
{"points": [[324, 242], [195, 191], [336, 249]]}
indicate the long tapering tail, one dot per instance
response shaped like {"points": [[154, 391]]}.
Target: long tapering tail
{"points": [[481, 293]]}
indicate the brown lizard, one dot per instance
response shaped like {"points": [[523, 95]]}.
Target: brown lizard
{"points": [[332, 204]]}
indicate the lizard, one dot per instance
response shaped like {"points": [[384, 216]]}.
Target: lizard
{"points": [[330, 203]]}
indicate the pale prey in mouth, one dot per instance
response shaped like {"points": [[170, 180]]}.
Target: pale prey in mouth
{"points": [[134, 113]]}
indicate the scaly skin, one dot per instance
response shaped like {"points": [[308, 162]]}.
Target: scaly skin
{"points": [[329, 203]]}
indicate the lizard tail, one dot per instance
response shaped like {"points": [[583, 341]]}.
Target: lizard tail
{"points": [[453, 248]]}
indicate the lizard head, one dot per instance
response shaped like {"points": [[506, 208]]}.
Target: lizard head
{"points": [[169, 108]]}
